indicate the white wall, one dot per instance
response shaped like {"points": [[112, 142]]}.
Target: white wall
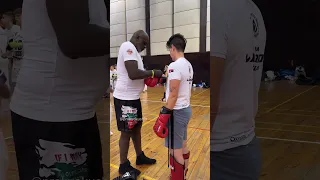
{"points": [[160, 25], [135, 17], [187, 22], [128, 16], [208, 26], [118, 26]]}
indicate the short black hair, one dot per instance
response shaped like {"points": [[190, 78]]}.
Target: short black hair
{"points": [[178, 41]]}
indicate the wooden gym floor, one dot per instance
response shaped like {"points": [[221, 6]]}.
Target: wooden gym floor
{"points": [[288, 125], [153, 146]]}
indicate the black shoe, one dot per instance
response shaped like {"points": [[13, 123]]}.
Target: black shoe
{"points": [[143, 159], [126, 167]]}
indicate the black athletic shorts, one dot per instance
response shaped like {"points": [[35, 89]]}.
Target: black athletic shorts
{"points": [[126, 110], [57, 150]]}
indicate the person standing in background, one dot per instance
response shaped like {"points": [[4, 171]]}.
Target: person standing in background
{"points": [[164, 81], [238, 39], [113, 82], [15, 48], [113, 78]]}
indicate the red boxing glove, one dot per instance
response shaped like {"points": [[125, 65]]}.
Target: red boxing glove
{"points": [[151, 82], [160, 127]]}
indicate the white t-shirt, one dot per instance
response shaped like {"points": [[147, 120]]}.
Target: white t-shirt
{"points": [[52, 87], [127, 89], [182, 70], [239, 36]]}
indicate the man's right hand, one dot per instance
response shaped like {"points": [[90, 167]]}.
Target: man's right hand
{"points": [[158, 73]]}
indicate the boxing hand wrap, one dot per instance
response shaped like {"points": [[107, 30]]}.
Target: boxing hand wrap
{"points": [[3, 78], [160, 127], [151, 81]]}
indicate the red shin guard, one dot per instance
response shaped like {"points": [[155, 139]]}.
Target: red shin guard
{"points": [[177, 169]]}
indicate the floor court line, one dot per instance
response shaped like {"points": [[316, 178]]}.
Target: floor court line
{"points": [[292, 110], [305, 132], [289, 140], [294, 114], [290, 99], [196, 105], [203, 129], [283, 124], [199, 93]]}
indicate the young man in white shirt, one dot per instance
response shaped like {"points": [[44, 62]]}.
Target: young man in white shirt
{"points": [[61, 80], [238, 38], [127, 104], [174, 117]]}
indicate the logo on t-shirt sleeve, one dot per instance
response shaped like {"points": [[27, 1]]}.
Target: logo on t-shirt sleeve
{"points": [[129, 51], [171, 70]]}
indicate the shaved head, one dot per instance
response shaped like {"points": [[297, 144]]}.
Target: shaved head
{"points": [[140, 39], [140, 33]]}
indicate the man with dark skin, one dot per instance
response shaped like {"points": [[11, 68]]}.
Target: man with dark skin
{"points": [[63, 76], [130, 84]]}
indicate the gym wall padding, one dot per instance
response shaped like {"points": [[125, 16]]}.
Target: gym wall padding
{"points": [[160, 25], [118, 26], [126, 17], [187, 22], [135, 18], [166, 18], [208, 26]]}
